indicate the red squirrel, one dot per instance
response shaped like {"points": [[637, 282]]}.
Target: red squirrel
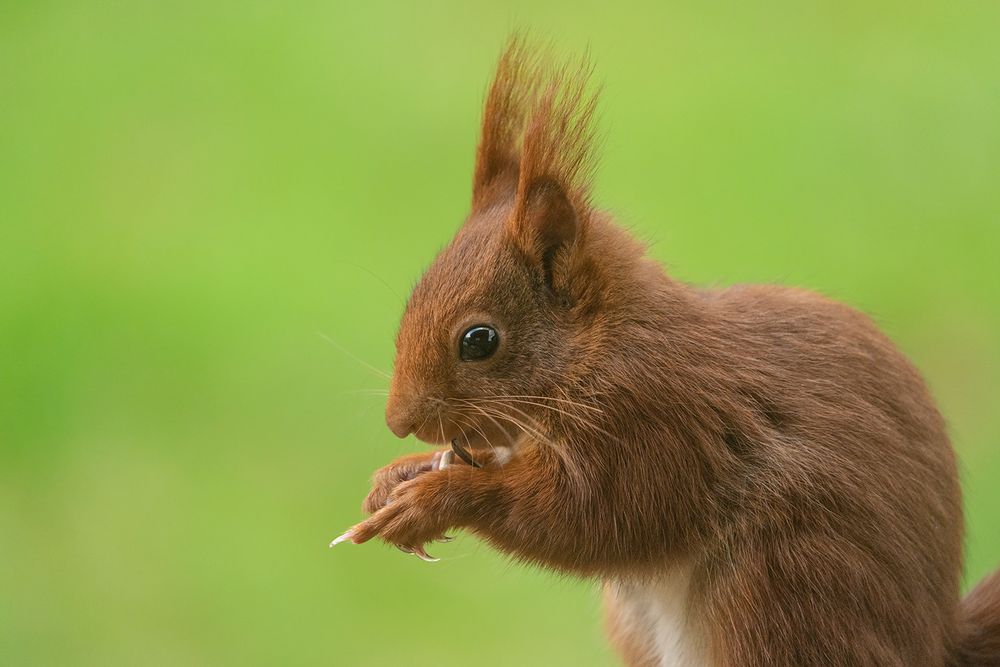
{"points": [[757, 475]]}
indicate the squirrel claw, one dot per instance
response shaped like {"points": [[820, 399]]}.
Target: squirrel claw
{"points": [[418, 552], [424, 556], [346, 537], [445, 539]]}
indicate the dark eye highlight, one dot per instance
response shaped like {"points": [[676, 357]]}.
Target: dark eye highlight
{"points": [[478, 343]]}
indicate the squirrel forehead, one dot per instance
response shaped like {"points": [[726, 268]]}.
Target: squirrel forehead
{"points": [[478, 273], [456, 286]]}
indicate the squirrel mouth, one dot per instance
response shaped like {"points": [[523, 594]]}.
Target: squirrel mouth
{"points": [[476, 459], [478, 447]]}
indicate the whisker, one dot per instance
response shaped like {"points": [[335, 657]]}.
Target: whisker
{"points": [[559, 400], [499, 426], [524, 414], [466, 438], [475, 428], [579, 419], [376, 277], [571, 464], [354, 357], [528, 430], [423, 423]]}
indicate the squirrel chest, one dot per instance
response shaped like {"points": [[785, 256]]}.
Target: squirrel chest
{"points": [[655, 622]]}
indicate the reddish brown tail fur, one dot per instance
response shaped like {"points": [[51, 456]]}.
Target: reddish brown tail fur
{"points": [[979, 644]]}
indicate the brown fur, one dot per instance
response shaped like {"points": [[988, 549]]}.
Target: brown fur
{"points": [[980, 641], [774, 440]]}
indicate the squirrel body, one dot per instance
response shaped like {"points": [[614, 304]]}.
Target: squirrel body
{"points": [[756, 473]]}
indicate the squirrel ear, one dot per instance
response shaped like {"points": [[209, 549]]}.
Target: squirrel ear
{"points": [[504, 116], [544, 224], [536, 146]]}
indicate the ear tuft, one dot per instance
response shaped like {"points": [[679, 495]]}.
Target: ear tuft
{"points": [[505, 113], [536, 130], [536, 149]]}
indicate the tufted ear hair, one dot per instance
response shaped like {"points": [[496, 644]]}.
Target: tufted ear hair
{"points": [[505, 112], [536, 129], [552, 201]]}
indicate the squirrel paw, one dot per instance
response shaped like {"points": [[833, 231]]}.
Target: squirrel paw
{"points": [[407, 521], [403, 469]]}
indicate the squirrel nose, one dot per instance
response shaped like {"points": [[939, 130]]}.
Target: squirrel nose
{"points": [[400, 428], [399, 419]]}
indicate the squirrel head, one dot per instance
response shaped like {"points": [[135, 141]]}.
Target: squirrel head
{"points": [[491, 327]]}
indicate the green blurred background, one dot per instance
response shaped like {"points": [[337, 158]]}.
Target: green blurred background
{"points": [[194, 196]]}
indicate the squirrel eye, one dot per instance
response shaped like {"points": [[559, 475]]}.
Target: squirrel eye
{"points": [[479, 342]]}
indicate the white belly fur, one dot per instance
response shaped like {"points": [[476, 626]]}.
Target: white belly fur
{"points": [[659, 610]]}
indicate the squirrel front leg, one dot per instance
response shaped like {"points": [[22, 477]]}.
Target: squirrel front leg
{"points": [[541, 508], [405, 468], [525, 507]]}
